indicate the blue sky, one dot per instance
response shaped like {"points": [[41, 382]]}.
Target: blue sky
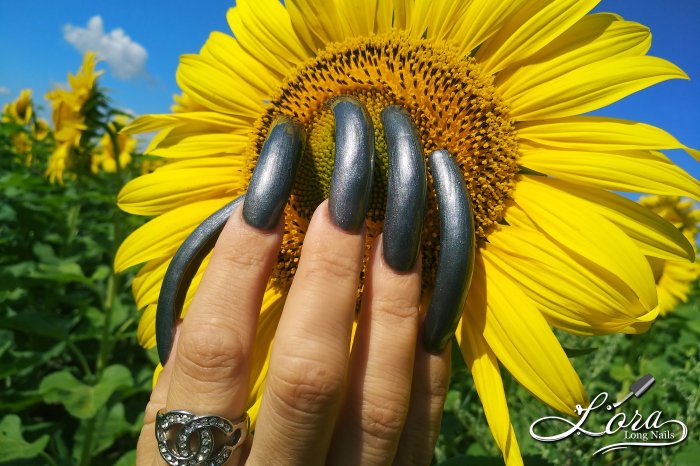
{"points": [[36, 53]]}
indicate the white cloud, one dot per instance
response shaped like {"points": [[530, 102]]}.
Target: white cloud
{"points": [[126, 58], [4, 90]]}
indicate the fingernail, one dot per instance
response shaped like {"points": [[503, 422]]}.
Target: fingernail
{"points": [[405, 201], [457, 249], [351, 182], [273, 176], [180, 273]]}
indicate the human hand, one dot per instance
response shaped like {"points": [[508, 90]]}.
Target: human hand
{"points": [[379, 403]]}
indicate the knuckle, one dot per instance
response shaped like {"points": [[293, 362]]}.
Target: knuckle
{"points": [[385, 420], [241, 250], [329, 267], [210, 354], [438, 387], [244, 259], [396, 306], [306, 386]]}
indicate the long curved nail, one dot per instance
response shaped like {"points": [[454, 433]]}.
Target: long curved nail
{"points": [[457, 248], [274, 174], [353, 164], [180, 273], [405, 201]]}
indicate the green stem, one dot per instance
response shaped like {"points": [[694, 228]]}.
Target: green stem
{"points": [[86, 454], [79, 356], [113, 287], [48, 458]]}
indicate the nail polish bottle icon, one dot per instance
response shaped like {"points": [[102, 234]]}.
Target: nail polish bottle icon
{"points": [[637, 389]]}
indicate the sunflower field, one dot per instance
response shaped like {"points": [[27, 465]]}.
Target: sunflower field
{"points": [[77, 337]]}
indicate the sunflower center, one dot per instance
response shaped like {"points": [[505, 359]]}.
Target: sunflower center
{"points": [[453, 104]]}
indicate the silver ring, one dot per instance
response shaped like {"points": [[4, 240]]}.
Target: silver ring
{"points": [[185, 439]]}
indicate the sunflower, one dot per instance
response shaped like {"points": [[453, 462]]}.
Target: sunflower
{"points": [[19, 111], [123, 145], [69, 108], [502, 86], [674, 279]]}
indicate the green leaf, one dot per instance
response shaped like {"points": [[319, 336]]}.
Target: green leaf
{"points": [[40, 323], [127, 459], [81, 400], [111, 424], [12, 444], [44, 253]]}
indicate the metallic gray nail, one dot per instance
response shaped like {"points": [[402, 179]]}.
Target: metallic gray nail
{"points": [[457, 250], [180, 273], [351, 182], [274, 175], [405, 200]]}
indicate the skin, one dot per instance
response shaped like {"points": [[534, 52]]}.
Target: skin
{"points": [[376, 401], [379, 403]]}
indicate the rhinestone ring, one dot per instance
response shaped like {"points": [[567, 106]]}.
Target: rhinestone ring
{"points": [[185, 439]]}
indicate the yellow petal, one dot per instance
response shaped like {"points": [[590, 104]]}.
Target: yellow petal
{"points": [[316, 23], [591, 87], [437, 18], [574, 294], [588, 234], [593, 38], [529, 29], [164, 190], [186, 141], [357, 18], [164, 234], [635, 171], [592, 133], [218, 89], [394, 15], [146, 331], [270, 313], [264, 30], [483, 366], [227, 52], [146, 283], [520, 337], [654, 235], [213, 120], [482, 18]]}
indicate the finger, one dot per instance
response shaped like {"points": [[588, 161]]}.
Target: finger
{"points": [[309, 359], [431, 377], [457, 243], [180, 273], [381, 367], [309, 356], [212, 364]]}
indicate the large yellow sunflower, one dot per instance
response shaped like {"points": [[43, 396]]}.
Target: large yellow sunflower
{"points": [[68, 114], [674, 278], [501, 85]]}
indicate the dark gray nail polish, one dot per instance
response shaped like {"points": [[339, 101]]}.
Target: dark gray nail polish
{"points": [[274, 174], [407, 186], [457, 250], [351, 182], [180, 273]]}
